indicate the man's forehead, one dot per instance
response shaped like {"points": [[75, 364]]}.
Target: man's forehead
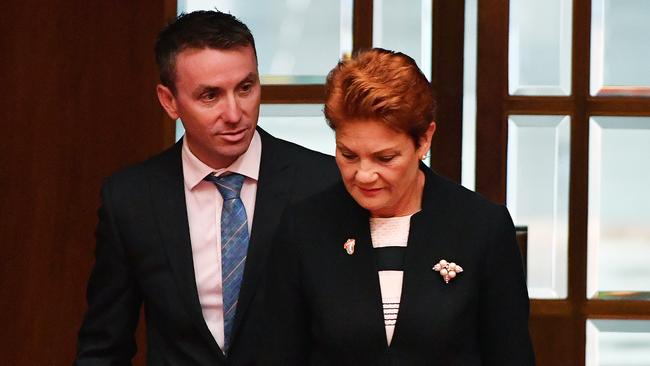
{"points": [[250, 76], [190, 52], [214, 66]]}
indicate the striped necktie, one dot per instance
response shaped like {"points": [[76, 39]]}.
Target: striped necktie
{"points": [[234, 245]]}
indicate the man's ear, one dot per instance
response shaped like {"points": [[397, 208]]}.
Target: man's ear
{"points": [[167, 101]]}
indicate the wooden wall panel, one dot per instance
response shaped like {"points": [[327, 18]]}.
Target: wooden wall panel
{"points": [[491, 93], [78, 102], [555, 340], [447, 80]]}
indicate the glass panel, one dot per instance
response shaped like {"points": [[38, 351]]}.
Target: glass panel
{"points": [[539, 59], [619, 202], [298, 41], [180, 131], [404, 26], [538, 197], [619, 47], [303, 124], [468, 166], [618, 343]]}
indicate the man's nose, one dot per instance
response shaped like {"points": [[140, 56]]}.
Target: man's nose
{"points": [[232, 111]]}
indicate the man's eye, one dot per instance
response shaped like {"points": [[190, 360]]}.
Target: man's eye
{"points": [[245, 88], [208, 97], [348, 156]]}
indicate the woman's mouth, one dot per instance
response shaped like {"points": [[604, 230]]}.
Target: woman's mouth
{"points": [[369, 192]]}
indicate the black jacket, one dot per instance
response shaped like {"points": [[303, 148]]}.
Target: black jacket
{"points": [[144, 256], [327, 304]]}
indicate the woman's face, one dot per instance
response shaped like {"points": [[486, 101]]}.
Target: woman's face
{"points": [[379, 166]]}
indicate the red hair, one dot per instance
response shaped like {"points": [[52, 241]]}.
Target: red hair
{"points": [[381, 85]]}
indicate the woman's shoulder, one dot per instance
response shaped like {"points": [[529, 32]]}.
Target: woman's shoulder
{"points": [[441, 189], [450, 201]]}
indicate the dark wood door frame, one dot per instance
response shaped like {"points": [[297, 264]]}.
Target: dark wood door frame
{"points": [[557, 326]]}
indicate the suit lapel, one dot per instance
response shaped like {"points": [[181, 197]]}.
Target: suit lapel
{"points": [[273, 187], [170, 210]]}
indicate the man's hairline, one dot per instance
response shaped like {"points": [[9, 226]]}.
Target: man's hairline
{"points": [[172, 63]]}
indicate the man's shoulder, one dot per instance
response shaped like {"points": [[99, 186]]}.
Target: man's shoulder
{"points": [[310, 163], [308, 171], [284, 149], [167, 162], [331, 199]]}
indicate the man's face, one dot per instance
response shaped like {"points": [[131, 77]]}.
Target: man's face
{"points": [[218, 101]]}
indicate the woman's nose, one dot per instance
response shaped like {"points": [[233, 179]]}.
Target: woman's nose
{"points": [[365, 174]]}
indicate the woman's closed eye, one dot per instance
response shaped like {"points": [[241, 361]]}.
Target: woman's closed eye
{"points": [[348, 155], [385, 158]]}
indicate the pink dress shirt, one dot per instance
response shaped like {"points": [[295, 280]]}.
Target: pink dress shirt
{"points": [[204, 205]]}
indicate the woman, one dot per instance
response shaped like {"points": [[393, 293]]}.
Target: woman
{"points": [[396, 266]]}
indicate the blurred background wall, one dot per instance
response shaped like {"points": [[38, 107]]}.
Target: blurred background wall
{"points": [[77, 102]]}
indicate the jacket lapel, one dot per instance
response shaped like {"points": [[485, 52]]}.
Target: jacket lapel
{"points": [[273, 187], [170, 210], [361, 270], [429, 237]]}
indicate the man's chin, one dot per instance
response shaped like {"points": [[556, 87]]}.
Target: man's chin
{"points": [[232, 151]]}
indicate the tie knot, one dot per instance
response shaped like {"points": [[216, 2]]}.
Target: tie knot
{"points": [[228, 185]]}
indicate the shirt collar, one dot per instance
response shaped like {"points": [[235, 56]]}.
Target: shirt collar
{"points": [[247, 164]]}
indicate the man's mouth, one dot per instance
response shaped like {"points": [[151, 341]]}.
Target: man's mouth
{"points": [[233, 136]]}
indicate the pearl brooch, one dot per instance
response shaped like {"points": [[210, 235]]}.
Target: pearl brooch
{"points": [[447, 270]]}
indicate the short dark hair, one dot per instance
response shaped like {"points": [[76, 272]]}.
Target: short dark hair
{"points": [[199, 29], [384, 85]]}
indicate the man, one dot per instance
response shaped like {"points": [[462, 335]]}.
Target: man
{"points": [[187, 233]]}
